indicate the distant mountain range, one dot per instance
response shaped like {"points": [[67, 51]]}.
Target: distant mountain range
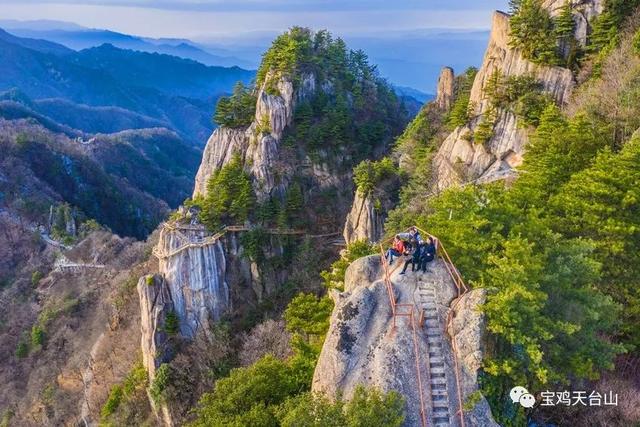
{"points": [[410, 59], [78, 38], [109, 89]]}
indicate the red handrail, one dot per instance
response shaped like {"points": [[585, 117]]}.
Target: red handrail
{"points": [[400, 313], [461, 288]]}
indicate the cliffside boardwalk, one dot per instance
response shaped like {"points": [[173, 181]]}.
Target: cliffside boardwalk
{"points": [[187, 243], [428, 320]]}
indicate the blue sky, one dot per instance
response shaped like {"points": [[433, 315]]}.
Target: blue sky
{"points": [[223, 18]]}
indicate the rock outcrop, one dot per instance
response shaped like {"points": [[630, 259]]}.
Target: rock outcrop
{"points": [[195, 273], [446, 87], [364, 222], [362, 347], [459, 159], [468, 328], [257, 146]]}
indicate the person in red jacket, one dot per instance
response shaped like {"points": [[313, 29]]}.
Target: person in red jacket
{"points": [[397, 249]]}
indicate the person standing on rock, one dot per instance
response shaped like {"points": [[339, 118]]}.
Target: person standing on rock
{"points": [[428, 254], [397, 249]]}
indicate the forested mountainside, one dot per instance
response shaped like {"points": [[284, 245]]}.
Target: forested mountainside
{"points": [[73, 88], [242, 309], [531, 180], [280, 167]]}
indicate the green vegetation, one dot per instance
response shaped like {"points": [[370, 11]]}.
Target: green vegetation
{"points": [[484, 131], [369, 174], [171, 323], [554, 251], [37, 336], [274, 392], [22, 349], [238, 110], [230, 196], [334, 277], [113, 401], [36, 276], [127, 403], [461, 110], [522, 95], [366, 408], [533, 32], [359, 113], [160, 383]]}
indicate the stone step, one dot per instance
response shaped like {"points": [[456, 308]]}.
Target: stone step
{"points": [[442, 424], [434, 342], [436, 370], [433, 365], [439, 392], [441, 420], [431, 316], [437, 384], [439, 397], [441, 409], [438, 374]]}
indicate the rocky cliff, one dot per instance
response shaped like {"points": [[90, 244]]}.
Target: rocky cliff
{"points": [[461, 160], [258, 149], [445, 91], [364, 221], [362, 346]]}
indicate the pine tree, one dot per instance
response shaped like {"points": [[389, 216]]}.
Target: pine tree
{"points": [[532, 31], [602, 204]]}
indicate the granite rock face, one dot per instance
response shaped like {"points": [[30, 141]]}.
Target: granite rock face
{"points": [[468, 328], [258, 144], [195, 277], [364, 222], [362, 347], [445, 91], [459, 159]]}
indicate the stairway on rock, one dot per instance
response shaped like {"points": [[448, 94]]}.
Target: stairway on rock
{"points": [[433, 328]]}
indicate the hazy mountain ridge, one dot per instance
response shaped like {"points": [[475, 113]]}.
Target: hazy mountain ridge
{"points": [[176, 92]]}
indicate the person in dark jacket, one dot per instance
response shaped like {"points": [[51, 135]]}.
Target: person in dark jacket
{"points": [[417, 255], [427, 255]]}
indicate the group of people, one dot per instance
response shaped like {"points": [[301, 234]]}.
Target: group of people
{"points": [[417, 251]]}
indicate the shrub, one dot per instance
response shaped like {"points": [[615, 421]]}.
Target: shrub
{"points": [[484, 131], [36, 276], [172, 323], [308, 315], [230, 196], [150, 280], [37, 335], [160, 383], [368, 174], [22, 349], [269, 337], [636, 43], [113, 401]]}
